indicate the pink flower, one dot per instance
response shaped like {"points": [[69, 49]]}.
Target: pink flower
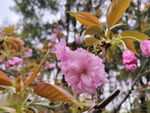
{"points": [[148, 83], [49, 44], [2, 34], [145, 47], [78, 41], [129, 60], [21, 41], [49, 65], [54, 37], [130, 67], [17, 60], [58, 29], [61, 50], [83, 71], [28, 53], [11, 63]]}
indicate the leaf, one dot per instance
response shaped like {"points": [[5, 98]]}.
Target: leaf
{"points": [[4, 80], [86, 18], [115, 11], [130, 45], [10, 99], [14, 45], [93, 30], [9, 31], [7, 109], [135, 34], [90, 41], [54, 93]]}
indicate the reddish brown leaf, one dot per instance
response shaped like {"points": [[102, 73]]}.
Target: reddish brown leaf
{"points": [[4, 80], [54, 93]]}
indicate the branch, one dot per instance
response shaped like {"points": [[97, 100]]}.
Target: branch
{"points": [[7, 72], [99, 107], [134, 83]]}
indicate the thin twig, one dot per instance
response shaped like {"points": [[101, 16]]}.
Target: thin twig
{"points": [[99, 107], [134, 83]]}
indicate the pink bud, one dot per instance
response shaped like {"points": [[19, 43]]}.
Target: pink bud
{"points": [[129, 57], [145, 47], [49, 65], [17, 60], [129, 60], [130, 67], [11, 63]]}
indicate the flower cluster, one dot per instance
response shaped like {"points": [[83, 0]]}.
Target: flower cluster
{"points": [[130, 60], [83, 71], [14, 62]]}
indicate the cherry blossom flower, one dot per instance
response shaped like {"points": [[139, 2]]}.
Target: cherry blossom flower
{"points": [[17, 60], [49, 65], [27, 53], [145, 47], [83, 71]]}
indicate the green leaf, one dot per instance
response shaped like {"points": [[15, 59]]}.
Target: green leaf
{"points": [[135, 34], [90, 41], [43, 103], [115, 11], [93, 30], [86, 18], [7, 110], [10, 99]]}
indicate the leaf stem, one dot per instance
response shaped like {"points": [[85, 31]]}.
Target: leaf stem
{"points": [[130, 37]]}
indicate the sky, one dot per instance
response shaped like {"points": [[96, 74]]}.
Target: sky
{"points": [[7, 15]]}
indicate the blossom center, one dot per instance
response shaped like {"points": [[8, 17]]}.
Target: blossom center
{"points": [[84, 71]]}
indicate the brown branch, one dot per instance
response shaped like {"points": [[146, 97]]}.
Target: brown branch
{"points": [[99, 107], [8, 73], [138, 77]]}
